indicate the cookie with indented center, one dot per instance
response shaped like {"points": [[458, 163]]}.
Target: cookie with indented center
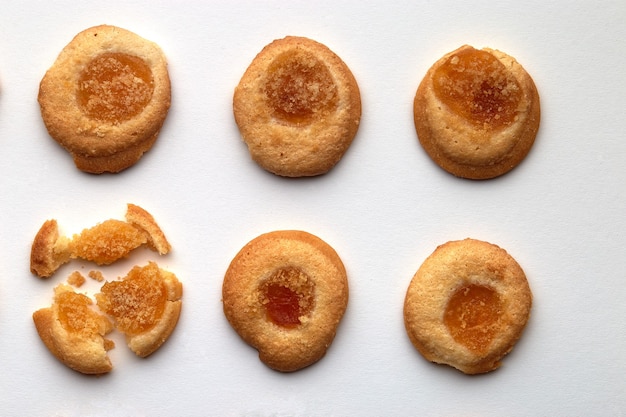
{"points": [[285, 294], [467, 305], [477, 113], [298, 107], [106, 97]]}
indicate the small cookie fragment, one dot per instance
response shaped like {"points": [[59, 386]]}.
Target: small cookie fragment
{"points": [[285, 293], [105, 98], [49, 250], [103, 244], [145, 305], [467, 305], [477, 113], [96, 275], [74, 333], [298, 107], [76, 279]]}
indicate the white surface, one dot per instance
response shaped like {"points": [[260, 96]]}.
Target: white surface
{"points": [[384, 208]]}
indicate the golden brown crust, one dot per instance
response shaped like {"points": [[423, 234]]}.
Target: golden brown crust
{"points": [[78, 343], [460, 146], [103, 145], [283, 348], [311, 136], [459, 265], [103, 243], [145, 305], [49, 251], [144, 221]]}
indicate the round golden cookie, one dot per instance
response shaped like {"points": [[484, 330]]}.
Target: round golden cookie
{"points": [[285, 293], [105, 98], [467, 305], [298, 107], [477, 113]]}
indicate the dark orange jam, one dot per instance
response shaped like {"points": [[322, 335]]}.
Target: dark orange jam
{"points": [[287, 296], [472, 316], [299, 87], [115, 87], [475, 85]]}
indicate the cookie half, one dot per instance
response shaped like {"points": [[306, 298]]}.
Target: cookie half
{"points": [[285, 293], [477, 113], [298, 107], [106, 97], [467, 305]]}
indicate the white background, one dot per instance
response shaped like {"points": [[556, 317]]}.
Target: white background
{"points": [[384, 208]]}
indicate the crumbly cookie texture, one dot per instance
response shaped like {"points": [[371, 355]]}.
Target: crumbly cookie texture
{"points": [[467, 305], [144, 305], [74, 333], [477, 113], [298, 107], [285, 293], [106, 97], [103, 244]]}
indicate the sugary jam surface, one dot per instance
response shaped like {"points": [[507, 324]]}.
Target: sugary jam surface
{"points": [[299, 87], [137, 302], [475, 85], [107, 242], [287, 295], [472, 316], [75, 315], [115, 87]]}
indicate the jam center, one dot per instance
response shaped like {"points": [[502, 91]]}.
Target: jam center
{"points": [[115, 87], [472, 316], [287, 296], [75, 314], [137, 302], [475, 85], [299, 87]]}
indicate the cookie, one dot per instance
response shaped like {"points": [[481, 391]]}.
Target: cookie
{"points": [[285, 294], [298, 107], [103, 243], [477, 113], [105, 98], [467, 306]]}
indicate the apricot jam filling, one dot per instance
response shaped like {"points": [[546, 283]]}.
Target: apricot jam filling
{"points": [[478, 87], [75, 315], [299, 87], [107, 242], [287, 295], [115, 87], [137, 302], [472, 316]]}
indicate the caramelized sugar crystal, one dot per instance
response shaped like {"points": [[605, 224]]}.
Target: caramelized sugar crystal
{"points": [[75, 315], [472, 315], [287, 296], [107, 242], [115, 87], [137, 302], [299, 86], [475, 85]]}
